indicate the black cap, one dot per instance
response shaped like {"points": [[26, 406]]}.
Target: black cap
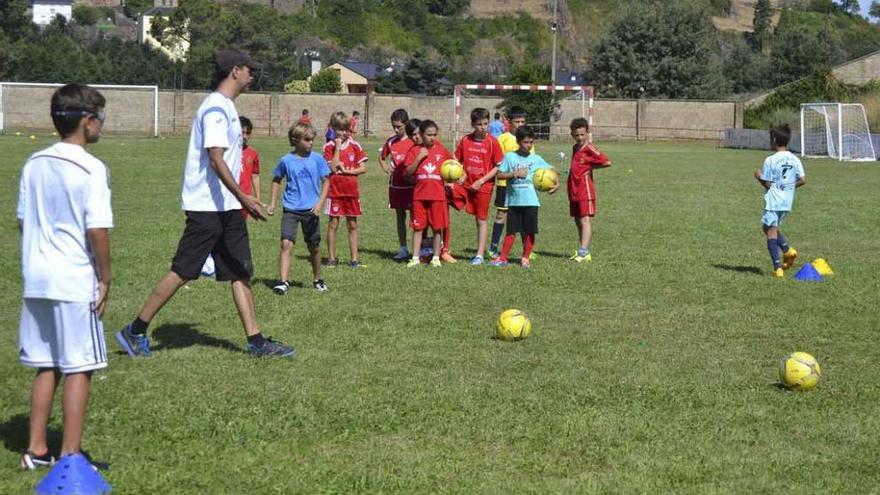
{"points": [[227, 59]]}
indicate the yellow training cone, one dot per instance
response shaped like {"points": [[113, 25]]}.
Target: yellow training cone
{"points": [[822, 267]]}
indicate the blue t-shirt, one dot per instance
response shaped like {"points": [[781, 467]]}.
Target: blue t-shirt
{"points": [[521, 190], [496, 128], [303, 176], [782, 170]]}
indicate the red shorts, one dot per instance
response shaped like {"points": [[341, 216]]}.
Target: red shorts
{"points": [[343, 207], [400, 198], [585, 208], [434, 214], [478, 204]]}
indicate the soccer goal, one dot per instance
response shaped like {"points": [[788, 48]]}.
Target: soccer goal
{"points": [[130, 110], [836, 130], [578, 103]]}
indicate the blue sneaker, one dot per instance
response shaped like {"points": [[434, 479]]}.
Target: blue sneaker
{"points": [[134, 344], [271, 348], [477, 260], [498, 263]]}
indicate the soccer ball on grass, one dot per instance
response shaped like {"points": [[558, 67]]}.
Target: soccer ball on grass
{"points": [[512, 324], [799, 371]]}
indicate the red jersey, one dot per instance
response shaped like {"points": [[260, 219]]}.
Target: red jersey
{"points": [[478, 158], [351, 155], [250, 166], [353, 122], [580, 177], [395, 150], [429, 183], [305, 119]]}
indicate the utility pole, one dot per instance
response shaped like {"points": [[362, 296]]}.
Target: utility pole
{"points": [[553, 28]]}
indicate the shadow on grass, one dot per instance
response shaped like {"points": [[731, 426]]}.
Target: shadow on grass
{"points": [[270, 283], [382, 253], [14, 435], [739, 269], [181, 335]]}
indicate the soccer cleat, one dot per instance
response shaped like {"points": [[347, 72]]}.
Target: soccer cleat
{"points": [[477, 260], [281, 288], [498, 262], [357, 264], [401, 255], [779, 273], [577, 258], [31, 461], [320, 285], [133, 343], [413, 263], [525, 263], [271, 348], [448, 258], [329, 263], [788, 258], [435, 262]]}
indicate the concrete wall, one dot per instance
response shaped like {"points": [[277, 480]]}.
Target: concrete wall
{"points": [[130, 112], [860, 70]]}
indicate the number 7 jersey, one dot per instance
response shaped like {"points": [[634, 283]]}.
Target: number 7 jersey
{"points": [[782, 170]]}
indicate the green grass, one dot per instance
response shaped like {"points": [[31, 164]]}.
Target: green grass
{"points": [[652, 370]]}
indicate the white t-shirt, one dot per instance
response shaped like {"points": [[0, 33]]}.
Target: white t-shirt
{"points": [[63, 191], [215, 125]]}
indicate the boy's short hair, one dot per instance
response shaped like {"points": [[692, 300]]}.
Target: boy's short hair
{"points": [[524, 132], [71, 103], [246, 123], [340, 122], [497, 115], [355, 113], [412, 125], [305, 111], [516, 112], [780, 135], [399, 115], [479, 114], [298, 131], [427, 124], [579, 123]]}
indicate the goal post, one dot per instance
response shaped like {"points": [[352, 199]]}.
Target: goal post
{"points": [[131, 109], [836, 130], [582, 93]]}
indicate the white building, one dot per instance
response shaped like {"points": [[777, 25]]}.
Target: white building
{"points": [[44, 11]]}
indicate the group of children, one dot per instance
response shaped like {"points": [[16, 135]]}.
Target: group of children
{"points": [[327, 183]]}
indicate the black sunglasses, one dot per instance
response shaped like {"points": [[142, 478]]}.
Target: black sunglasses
{"points": [[85, 113]]}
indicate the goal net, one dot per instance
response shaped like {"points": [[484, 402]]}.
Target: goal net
{"points": [[563, 104], [133, 110], [836, 130]]}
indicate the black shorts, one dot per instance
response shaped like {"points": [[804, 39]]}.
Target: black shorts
{"points": [[222, 234], [522, 219], [501, 197], [311, 226]]}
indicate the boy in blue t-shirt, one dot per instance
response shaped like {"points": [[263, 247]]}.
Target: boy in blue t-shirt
{"points": [[306, 174], [522, 200], [781, 174]]}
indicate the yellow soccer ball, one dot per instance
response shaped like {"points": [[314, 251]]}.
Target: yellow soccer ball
{"points": [[512, 325], [544, 179], [451, 171], [799, 371]]}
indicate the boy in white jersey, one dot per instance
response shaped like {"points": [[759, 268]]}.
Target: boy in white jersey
{"points": [[781, 174], [64, 216]]}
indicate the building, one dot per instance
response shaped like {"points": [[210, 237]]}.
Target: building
{"points": [[44, 11], [356, 76], [174, 47]]}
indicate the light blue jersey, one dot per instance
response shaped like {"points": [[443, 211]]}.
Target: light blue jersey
{"points": [[303, 176], [521, 190], [782, 170]]}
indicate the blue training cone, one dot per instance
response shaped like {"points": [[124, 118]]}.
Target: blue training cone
{"points": [[73, 475], [808, 273]]}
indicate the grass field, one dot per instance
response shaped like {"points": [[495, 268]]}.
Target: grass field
{"points": [[651, 370]]}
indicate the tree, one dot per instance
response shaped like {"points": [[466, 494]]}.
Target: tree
{"points": [[850, 6], [664, 49], [326, 81], [14, 21], [874, 10], [746, 69], [761, 23], [798, 53], [447, 7], [421, 76]]}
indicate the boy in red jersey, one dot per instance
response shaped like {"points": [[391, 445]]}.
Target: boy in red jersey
{"points": [[581, 192], [249, 180], [399, 190], [347, 161], [429, 195], [479, 154]]}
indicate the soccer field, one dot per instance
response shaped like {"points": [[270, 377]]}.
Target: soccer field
{"points": [[651, 370]]}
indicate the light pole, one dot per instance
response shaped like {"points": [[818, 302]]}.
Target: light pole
{"points": [[553, 28]]}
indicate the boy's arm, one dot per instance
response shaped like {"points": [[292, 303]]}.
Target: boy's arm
{"points": [[411, 168], [359, 170], [335, 163], [484, 179], [256, 186], [99, 241], [802, 180], [273, 195], [765, 184], [382, 157], [249, 203], [325, 189]]}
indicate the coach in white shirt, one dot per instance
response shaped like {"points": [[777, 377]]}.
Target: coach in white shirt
{"points": [[213, 202]]}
